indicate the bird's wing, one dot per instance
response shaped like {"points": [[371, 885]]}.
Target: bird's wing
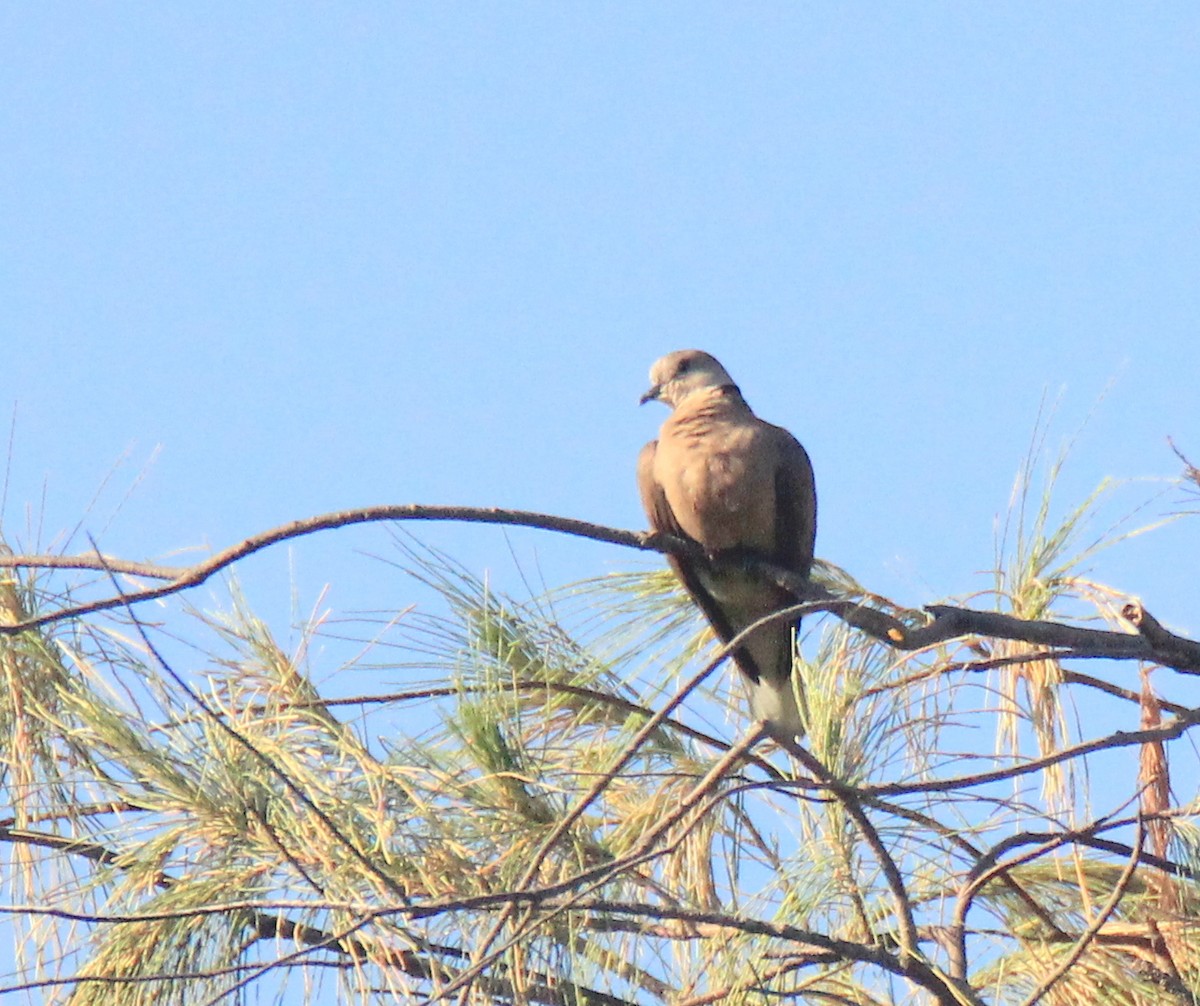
{"points": [[795, 503], [662, 518]]}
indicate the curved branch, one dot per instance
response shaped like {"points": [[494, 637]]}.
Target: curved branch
{"points": [[944, 990], [1153, 642], [1171, 730], [848, 796], [179, 579]]}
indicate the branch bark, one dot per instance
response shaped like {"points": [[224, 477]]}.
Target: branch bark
{"points": [[944, 622]]}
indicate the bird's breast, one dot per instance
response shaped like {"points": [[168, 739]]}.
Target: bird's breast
{"points": [[719, 492]]}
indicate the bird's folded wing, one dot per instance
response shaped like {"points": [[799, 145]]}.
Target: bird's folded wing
{"points": [[795, 503], [662, 518]]}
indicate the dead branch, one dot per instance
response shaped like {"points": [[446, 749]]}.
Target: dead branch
{"points": [[940, 622]]}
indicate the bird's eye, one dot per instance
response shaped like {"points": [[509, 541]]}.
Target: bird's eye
{"points": [[683, 368]]}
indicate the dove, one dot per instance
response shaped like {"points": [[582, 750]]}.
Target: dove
{"points": [[734, 484]]}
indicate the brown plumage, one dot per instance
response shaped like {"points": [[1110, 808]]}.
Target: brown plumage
{"points": [[724, 478]]}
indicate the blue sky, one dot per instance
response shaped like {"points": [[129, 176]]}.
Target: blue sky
{"points": [[263, 261], [311, 257]]}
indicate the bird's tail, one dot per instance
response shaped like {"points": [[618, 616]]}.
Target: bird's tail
{"points": [[771, 680], [774, 702]]}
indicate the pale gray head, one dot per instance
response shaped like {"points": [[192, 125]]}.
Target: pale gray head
{"points": [[683, 373]]}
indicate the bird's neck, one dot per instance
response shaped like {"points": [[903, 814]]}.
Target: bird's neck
{"points": [[713, 403]]}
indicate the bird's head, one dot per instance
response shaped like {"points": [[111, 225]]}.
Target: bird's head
{"points": [[683, 373]]}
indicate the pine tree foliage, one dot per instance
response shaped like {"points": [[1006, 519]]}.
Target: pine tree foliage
{"points": [[558, 799]]}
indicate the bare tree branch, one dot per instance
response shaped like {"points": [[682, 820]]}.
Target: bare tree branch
{"points": [[1153, 643]]}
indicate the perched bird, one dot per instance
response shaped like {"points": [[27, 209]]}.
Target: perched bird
{"points": [[736, 485]]}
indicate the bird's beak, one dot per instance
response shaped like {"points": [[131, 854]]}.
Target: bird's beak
{"points": [[652, 395]]}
